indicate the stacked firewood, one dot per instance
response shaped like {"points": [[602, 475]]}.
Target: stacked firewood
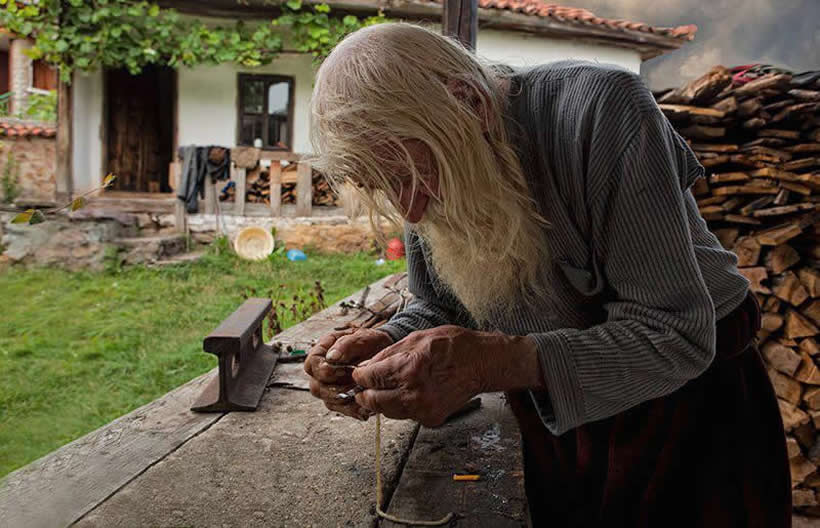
{"points": [[760, 144], [258, 187]]}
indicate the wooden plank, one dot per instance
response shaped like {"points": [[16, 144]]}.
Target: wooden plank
{"points": [[460, 20], [65, 127], [275, 175], [180, 216], [238, 176], [304, 189], [485, 442], [61, 487], [211, 197]]}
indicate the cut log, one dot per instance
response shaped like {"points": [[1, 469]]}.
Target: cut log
{"points": [[712, 200], [803, 163], [792, 447], [788, 288], [782, 358], [781, 258], [792, 416], [726, 177], [747, 250], [727, 236], [727, 105], [810, 346], [811, 398], [749, 107], [776, 81], [803, 498], [706, 87], [740, 219], [785, 387], [807, 372], [714, 147], [674, 111], [771, 322], [785, 209], [804, 435], [756, 276], [703, 132], [805, 95], [744, 189], [812, 311], [800, 469], [782, 134], [796, 187], [798, 326], [782, 197], [811, 280], [754, 205], [772, 305], [778, 235]]}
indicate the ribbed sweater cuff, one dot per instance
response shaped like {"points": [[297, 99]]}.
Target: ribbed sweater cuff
{"points": [[397, 333], [561, 409]]}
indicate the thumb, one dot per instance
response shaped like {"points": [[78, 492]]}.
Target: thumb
{"points": [[385, 353]]}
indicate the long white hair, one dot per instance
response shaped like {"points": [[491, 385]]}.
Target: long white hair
{"points": [[389, 84]]}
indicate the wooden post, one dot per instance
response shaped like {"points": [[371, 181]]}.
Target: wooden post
{"points": [[175, 171], [65, 179], [210, 195], [275, 188], [304, 189], [238, 176], [461, 21]]}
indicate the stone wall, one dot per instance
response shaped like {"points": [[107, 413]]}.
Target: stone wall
{"points": [[35, 167], [75, 244]]}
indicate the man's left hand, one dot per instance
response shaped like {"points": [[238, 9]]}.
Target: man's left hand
{"points": [[426, 376]]}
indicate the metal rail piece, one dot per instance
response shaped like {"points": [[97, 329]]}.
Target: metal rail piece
{"points": [[245, 361]]}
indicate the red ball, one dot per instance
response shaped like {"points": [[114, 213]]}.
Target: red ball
{"points": [[395, 249]]}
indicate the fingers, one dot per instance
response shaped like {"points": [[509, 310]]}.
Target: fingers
{"points": [[380, 374], [318, 351], [354, 348], [329, 394], [387, 402]]}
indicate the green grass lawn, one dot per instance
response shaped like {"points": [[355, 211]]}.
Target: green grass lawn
{"points": [[80, 349]]}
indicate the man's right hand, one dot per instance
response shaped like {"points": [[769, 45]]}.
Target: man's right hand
{"points": [[346, 347]]}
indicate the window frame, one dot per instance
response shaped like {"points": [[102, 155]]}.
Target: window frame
{"points": [[269, 79]]}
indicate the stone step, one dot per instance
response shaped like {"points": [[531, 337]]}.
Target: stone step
{"points": [[180, 259], [150, 249]]}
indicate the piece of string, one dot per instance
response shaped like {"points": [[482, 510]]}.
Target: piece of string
{"points": [[441, 522]]}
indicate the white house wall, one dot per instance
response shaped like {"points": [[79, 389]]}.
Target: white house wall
{"points": [[207, 108], [87, 95], [523, 49]]}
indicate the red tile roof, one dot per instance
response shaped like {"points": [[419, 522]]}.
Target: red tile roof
{"points": [[17, 128], [575, 15]]}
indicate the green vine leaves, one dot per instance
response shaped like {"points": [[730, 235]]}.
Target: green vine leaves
{"points": [[38, 216]]}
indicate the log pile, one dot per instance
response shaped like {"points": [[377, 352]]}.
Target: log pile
{"points": [[258, 188], [760, 144]]}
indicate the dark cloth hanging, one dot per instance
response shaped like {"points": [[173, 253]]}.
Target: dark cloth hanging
{"points": [[711, 454], [197, 162]]}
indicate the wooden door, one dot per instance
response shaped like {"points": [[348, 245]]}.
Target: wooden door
{"points": [[139, 128]]}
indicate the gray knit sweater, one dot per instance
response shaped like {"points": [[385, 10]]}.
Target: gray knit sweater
{"points": [[638, 280]]}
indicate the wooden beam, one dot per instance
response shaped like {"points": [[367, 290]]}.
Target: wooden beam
{"points": [[65, 177], [304, 189], [461, 21], [238, 177]]}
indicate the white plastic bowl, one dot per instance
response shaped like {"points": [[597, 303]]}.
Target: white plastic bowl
{"points": [[254, 243]]}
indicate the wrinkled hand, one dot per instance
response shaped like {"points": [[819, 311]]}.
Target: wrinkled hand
{"points": [[426, 376], [342, 348]]}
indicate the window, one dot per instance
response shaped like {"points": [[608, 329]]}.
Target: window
{"points": [[265, 111]]}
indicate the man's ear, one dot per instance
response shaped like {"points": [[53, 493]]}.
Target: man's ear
{"points": [[469, 94]]}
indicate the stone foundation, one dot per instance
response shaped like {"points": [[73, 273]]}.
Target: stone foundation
{"points": [[331, 234]]}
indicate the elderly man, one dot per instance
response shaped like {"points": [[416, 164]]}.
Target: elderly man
{"points": [[555, 253]]}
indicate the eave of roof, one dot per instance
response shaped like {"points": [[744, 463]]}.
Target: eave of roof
{"points": [[531, 16]]}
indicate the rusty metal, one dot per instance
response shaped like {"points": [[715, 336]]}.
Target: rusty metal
{"points": [[245, 361]]}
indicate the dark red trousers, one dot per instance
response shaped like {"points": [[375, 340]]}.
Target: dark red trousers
{"points": [[711, 454]]}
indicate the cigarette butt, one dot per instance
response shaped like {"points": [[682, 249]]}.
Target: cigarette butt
{"points": [[466, 478]]}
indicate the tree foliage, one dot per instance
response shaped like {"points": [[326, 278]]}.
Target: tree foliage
{"points": [[87, 35]]}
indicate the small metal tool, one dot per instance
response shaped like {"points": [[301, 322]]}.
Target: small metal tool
{"points": [[349, 395]]}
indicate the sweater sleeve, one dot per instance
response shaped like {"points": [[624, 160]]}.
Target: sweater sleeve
{"points": [[660, 326], [432, 304]]}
